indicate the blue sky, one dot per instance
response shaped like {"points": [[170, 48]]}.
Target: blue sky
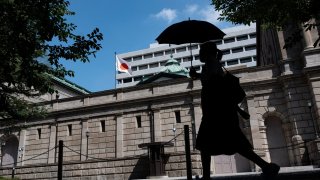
{"points": [[127, 25]]}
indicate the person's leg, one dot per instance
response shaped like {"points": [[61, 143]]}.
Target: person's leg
{"points": [[206, 161], [251, 155], [269, 170]]}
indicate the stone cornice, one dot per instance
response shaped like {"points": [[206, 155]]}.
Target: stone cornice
{"points": [[285, 77], [312, 73], [118, 107], [311, 51]]}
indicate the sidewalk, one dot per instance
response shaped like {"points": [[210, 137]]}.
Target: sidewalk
{"points": [[292, 173]]}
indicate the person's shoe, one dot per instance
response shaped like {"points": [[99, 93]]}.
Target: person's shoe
{"points": [[271, 171], [205, 178]]}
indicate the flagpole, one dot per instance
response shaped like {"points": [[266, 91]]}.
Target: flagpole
{"points": [[115, 70]]}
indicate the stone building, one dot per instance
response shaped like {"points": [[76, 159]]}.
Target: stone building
{"points": [[102, 131]]}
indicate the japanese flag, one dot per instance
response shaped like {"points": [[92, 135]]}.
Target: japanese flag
{"points": [[123, 66]]}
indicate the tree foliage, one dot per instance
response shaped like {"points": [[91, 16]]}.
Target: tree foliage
{"points": [[27, 29], [274, 13]]}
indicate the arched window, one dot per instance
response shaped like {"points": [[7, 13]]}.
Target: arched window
{"points": [[9, 148], [276, 141]]}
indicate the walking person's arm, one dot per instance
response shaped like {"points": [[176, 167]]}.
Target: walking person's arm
{"points": [[193, 73], [243, 113]]}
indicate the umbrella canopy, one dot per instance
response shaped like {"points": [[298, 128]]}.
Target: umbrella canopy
{"points": [[190, 31]]}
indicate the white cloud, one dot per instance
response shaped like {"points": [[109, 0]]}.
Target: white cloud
{"points": [[192, 11], [209, 14], [206, 13], [191, 8], [167, 14]]}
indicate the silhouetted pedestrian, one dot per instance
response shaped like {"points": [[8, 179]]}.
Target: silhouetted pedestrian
{"points": [[219, 131]]}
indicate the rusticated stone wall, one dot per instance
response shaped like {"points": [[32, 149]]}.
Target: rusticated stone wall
{"points": [[117, 169]]}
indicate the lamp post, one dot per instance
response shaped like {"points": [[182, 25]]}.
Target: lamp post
{"points": [[174, 129], [87, 135], [313, 121], [151, 118]]}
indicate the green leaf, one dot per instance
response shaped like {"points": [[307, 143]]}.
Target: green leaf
{"points": [[29, 59]]}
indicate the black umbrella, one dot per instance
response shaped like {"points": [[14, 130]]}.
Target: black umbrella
{"points": [[190, 31]]}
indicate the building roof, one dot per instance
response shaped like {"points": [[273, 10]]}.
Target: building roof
{"points": [[173, 66], [62, 81], [171, 70], [73, 86]]}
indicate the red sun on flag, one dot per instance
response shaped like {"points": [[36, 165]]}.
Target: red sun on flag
{"points": [[124, 66]]}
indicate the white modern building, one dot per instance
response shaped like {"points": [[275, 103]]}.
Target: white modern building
{"points": [[238, 46]]}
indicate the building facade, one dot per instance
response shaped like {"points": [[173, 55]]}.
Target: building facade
{"points": [[238, 47], [102, 131]]}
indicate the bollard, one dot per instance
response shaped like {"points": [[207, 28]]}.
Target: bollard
{"points": [[60, 160], [187, 149], [13, 172]]}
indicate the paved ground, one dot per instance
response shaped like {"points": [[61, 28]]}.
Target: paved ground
{"points": [[292, 173]]}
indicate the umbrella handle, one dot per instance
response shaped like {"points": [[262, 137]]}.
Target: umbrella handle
{"points": [[219, 55]]}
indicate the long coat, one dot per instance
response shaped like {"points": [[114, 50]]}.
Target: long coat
{"points": [[219, 131]]}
